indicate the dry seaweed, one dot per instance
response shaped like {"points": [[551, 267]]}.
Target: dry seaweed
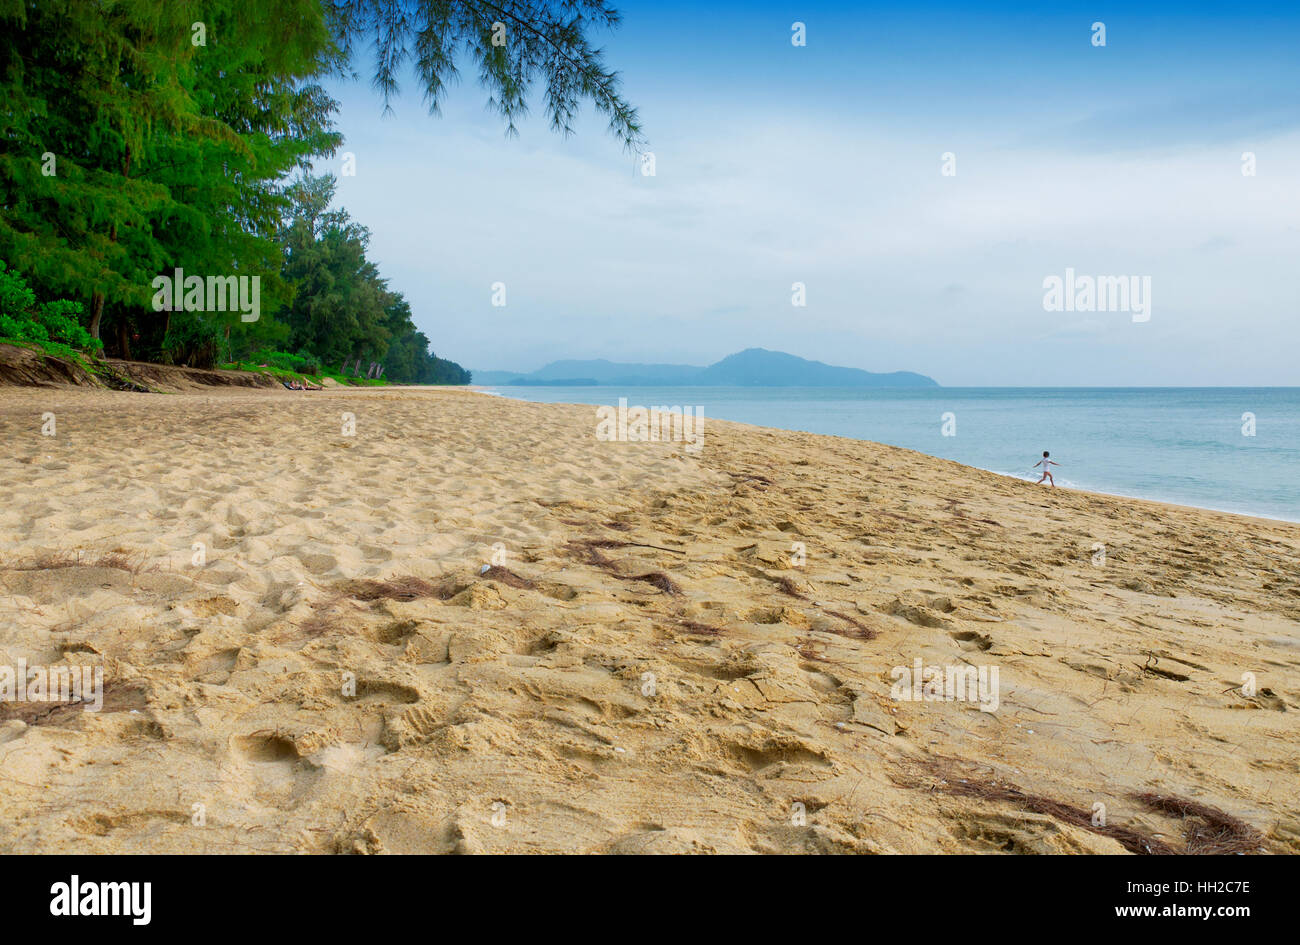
{"points": [[404, 588], [121, 561], [588, 550], [1208, 830], [659, 580], [509, 578], [860, 630], [701, 629], [1130, 838]]}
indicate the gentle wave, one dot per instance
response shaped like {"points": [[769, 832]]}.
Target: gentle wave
{"points": [[1185, 446]]}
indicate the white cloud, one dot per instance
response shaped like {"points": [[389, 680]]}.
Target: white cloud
{"points": [[697, 261]]}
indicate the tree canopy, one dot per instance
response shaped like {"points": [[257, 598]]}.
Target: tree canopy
{"points": [[513, 44], [138, 138]]}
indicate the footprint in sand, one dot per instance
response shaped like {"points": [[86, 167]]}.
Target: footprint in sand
{"points": [[265, 748], [382, 691], [971, 640]]}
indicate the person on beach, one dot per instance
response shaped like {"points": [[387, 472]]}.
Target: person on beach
{"points": [[1047, 465]]}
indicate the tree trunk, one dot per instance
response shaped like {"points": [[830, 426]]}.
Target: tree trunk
{"points": [[97, 298], [96, 313], [123, 340]]}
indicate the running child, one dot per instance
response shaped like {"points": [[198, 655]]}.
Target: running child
{"points": [[1047, 465]]}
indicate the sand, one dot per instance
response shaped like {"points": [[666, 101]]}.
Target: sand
{"points": [[668, 652]]}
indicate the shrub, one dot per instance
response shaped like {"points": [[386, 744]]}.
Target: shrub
{"points": [[55, 324], [304, 362], [191, 341]]}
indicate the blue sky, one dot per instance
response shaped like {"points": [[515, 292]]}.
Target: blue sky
{"points": [[821, 164]]}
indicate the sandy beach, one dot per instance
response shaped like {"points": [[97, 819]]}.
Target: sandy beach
{"points": [[469, 625]]}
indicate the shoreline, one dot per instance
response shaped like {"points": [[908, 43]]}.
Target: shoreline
{"points": [[486, 389], [1139, 498], [468, 625]]}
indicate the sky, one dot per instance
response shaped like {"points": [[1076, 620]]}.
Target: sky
{"points": [[823, 164]]}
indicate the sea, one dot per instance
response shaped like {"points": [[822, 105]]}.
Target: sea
{"points": [[1234, 449]]}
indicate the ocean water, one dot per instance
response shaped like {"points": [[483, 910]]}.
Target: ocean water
{"points": [[1182, 445]]}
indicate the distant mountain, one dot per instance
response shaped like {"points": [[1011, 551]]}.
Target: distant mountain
{"points": [[753, 367], [757, 367]]}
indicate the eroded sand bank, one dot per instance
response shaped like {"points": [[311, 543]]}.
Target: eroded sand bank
{"points": [[647, 667]]}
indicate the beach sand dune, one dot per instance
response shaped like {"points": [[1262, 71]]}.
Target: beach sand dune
{"points": [[467, 625]]}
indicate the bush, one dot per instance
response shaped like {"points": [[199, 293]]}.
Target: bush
{"points": [[52, 324], [304, 362], [191, 341]]}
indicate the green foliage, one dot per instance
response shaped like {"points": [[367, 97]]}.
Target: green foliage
{"points": [[443, 371], [338, 309], [297, 363], [544, 40], [84, 83], [128, 150], [271, 365], [343, 310], [53, 325], [193, 339]]}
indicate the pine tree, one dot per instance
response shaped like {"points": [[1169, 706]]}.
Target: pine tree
{"points": [[138, 137], [514, 43]]}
